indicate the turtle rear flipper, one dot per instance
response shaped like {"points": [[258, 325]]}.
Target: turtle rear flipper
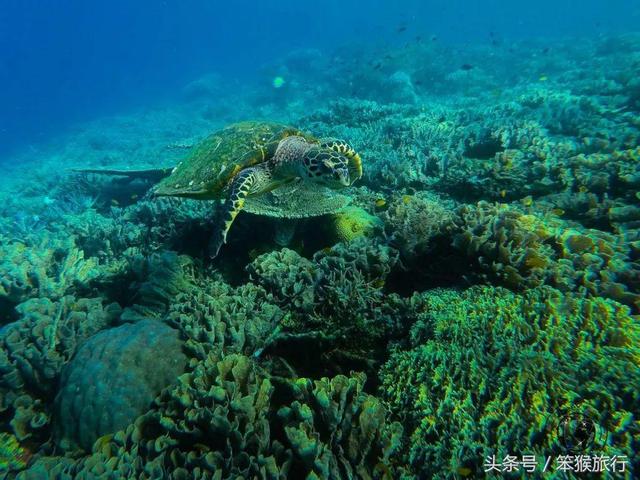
{"points": [[152, 174]]}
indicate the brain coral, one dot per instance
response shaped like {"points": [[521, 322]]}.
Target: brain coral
{"points": [[353, 222], [113, 378], [491, 371]]}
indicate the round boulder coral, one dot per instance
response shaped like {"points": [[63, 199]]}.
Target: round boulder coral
{"points": [[353, 222], [113, 378]]}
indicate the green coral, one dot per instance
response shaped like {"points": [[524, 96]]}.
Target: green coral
{"points": [[113, 378], [413, 222], [489, 370], [337, 431], [226, 419], [218, 318], [51, 268], [156, 280], [523, 250], [353, 222], [13, 456], [336, 304], [34, 350]]}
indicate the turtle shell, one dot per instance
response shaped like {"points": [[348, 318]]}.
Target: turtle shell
{"points": [[208, 169]]}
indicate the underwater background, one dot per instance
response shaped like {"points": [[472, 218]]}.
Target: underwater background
{"points": [[470, 310]]}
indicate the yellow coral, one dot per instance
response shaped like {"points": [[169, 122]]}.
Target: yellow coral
{"points": [[12, 455], [353, 222]]}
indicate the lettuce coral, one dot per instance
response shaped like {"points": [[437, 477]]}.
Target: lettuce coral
{"points": [[490, 371], [225, 419], [34, 350], [218, 318], [524, 250], [49, 269], [336, 304]]}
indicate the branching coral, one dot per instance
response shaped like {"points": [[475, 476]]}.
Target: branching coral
{"points": [[336, 302]]}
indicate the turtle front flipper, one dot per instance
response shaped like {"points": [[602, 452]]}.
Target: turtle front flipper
{"points": [[340, 146], [248, 182]]}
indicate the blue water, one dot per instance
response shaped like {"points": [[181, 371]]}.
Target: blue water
{"points": [[63, 62]]}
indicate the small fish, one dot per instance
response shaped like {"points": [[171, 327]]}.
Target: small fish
{"points": [[557, 211], [543, 78], [638, 195], [401, 28], [545, 50], [463, 471], [278, 82], [115, 202], [527, 201], [134, 196], [380, 202], [377, 65], [466, 66], [503, 193], [406, 199], [583, 189]]}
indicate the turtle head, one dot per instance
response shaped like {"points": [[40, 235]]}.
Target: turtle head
{"points": [[327, 167]]}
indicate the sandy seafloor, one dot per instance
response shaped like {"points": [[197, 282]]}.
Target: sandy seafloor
{"points": [[481, 287]]}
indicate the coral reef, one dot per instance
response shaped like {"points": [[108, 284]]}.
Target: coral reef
{"points": [[523, 250], [34, 350], [218, 318], [223, 420], [352, 222], [48, 269], [336, 304], [490, 371], [12, 455], [365, 348], [113, 378]]}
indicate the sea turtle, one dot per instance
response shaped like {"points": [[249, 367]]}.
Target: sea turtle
{"points": [[265, 168]]}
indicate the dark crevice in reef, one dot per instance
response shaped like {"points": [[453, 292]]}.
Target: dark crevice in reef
{"points": [[314, 355], [440, 267], [483, 149], [8, 312]]}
